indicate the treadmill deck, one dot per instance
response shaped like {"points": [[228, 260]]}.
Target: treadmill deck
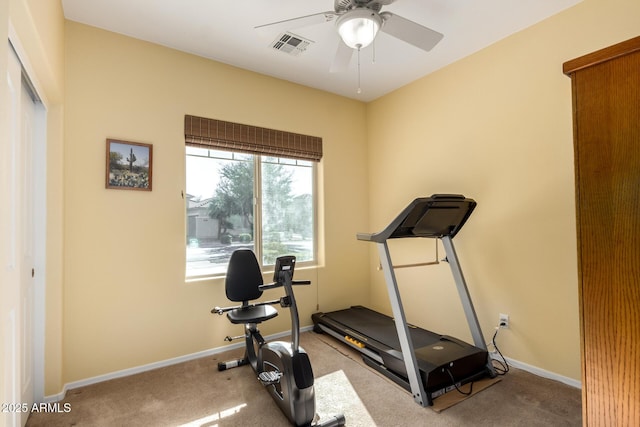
{"points": [[442, 360]]}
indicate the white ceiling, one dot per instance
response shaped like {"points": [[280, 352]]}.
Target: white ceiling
{"points": [[224, 31]]}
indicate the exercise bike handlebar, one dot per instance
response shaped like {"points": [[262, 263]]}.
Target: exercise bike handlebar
{"points": [[278, 284], [263, 287]]}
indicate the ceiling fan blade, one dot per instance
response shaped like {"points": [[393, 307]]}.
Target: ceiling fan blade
{"points": [[341, 60], [381, 2], [302, 21], [409, 31]]}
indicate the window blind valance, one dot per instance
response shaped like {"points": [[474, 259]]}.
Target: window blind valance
{"points": [[221, 135]]}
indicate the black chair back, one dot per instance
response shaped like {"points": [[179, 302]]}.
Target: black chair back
{"points": [[243, 276]]}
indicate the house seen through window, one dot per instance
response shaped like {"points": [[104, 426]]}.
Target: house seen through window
{"points": [[237, 200]]}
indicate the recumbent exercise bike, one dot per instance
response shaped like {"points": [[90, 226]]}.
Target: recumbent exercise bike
{"points": [[283, 367]]}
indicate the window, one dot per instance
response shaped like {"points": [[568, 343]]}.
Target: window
{"points": [[248, 187], [239, 200]]}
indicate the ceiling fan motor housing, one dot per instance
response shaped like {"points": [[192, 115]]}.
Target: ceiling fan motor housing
{"points": [[346, 5]]}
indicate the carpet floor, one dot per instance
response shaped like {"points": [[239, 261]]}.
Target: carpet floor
{"points": [[194, 393]]}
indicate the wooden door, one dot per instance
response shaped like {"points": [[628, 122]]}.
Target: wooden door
{"points": [[606, 101]]}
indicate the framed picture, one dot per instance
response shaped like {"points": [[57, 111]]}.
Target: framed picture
{"points": [[129, 165]]}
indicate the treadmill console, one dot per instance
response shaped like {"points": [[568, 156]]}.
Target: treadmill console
{"points": [[436, 216]]}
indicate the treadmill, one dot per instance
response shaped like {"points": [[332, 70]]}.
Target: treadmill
{"points": [[425, 363]]}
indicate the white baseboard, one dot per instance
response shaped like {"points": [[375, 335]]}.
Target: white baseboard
{"points": [[168, 362], [540, 372], [156, 365]]}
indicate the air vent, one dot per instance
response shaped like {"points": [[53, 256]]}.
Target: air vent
{"points": [[291, 44]]}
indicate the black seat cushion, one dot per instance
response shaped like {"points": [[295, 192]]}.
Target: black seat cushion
{"points": [[252, 314]]}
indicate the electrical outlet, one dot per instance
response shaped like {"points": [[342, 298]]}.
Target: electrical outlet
{"points": [[503, 321]]}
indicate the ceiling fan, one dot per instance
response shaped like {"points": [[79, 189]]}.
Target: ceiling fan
{"points": [[358, 22]]}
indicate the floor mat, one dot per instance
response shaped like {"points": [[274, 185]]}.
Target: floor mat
{"points": [[453, 397]]}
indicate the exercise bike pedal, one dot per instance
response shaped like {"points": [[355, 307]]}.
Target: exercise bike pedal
{"points": [[269, 377]]}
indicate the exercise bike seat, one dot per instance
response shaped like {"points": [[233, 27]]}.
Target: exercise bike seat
{"points": [[255, 314], [242, 284]]}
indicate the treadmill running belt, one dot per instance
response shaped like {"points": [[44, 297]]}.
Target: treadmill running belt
{"points": [[365, 324]]}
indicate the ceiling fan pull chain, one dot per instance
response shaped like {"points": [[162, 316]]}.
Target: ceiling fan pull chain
{"points": [[373, 45], [359, 87], [373, 61]]}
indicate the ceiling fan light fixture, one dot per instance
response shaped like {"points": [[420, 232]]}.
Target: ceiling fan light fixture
{"points": [[358, 27]]}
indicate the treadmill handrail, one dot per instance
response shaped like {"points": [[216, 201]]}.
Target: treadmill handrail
{"points": [[433, 217]]}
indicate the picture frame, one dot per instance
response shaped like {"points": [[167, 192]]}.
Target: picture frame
{"points": [[129, 165]]}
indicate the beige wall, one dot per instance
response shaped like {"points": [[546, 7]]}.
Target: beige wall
{"points": [[496, 127], [126, 302]]}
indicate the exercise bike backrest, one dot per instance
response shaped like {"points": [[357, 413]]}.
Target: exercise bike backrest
{"points": [[244, 278]]}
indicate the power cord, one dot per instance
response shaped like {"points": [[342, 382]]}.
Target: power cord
{"points": [[455, 384], [501, 366]]}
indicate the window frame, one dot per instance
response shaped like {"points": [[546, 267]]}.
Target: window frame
{"points": [[258, 161]]}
